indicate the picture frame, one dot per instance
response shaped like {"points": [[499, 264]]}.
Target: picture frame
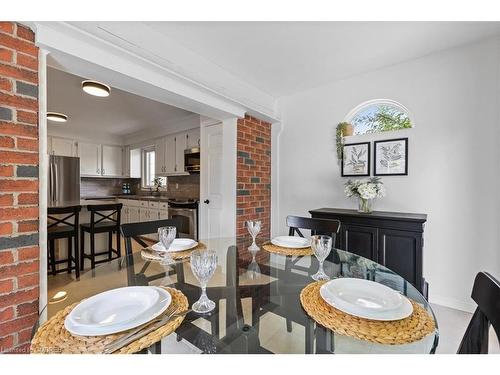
{"points": [[356, 159], [391, 157]]}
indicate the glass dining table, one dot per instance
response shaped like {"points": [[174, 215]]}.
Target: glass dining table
{"points": [[257, 300]]}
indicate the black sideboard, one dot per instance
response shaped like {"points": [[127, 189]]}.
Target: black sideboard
{"points": [[393, 239]]}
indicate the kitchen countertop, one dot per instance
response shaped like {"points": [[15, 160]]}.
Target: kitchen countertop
{"points": [[82, 202]]}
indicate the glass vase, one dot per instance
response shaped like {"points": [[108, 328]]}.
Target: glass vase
{"points": [[365, 205]]}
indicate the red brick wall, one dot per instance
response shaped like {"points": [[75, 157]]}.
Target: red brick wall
{"points": [[253, 201], [19, 252]]}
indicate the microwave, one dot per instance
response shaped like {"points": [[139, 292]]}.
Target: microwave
{"points": [[192, 160]]}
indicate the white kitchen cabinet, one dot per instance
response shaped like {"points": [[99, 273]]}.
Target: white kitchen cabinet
{"points": [[180, 146], [193, 138], [62, 146], [134, 214], [170, 155], [163, 214], [125, 214], [112, 161], [90, 158], [160, 157]]}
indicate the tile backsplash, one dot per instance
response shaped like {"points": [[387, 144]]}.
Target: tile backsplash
{"points": [[183, 186], [178, 187], [100, 187]]}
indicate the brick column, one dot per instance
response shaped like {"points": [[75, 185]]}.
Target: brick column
{"points": [[253, 200], [19, 251]]}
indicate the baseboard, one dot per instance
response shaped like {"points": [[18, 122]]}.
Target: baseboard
{"points": [[452, 303]]}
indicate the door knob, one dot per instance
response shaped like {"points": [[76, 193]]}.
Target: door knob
{"points": [[206, 201]]}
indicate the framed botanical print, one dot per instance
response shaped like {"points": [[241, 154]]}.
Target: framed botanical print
{"points": [[356, 159], [391, 157]]}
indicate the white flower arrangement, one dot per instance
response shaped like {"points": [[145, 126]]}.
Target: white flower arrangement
{"points": [[365, 189]]}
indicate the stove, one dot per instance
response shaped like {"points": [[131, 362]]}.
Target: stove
{"points": [[186, 211]]}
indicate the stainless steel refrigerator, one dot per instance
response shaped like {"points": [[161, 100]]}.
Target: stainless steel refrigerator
{"points": [[64, 180]]}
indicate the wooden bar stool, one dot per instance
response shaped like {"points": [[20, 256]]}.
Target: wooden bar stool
{"points": [[104, 218], [60, 228]]}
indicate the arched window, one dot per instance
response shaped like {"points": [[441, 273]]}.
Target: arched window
{"points": [[379, 115]]}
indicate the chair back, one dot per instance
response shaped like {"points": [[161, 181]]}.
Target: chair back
{"points": [[105, 213], [70, 212], [316, 226], [486, 293], [136, 230]]}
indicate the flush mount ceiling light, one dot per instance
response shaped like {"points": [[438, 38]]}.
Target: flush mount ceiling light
{"points": [[96, 88], [57, 117]]}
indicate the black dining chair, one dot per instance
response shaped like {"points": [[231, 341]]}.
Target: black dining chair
{"points": [[63, 224], [486, 293], [137, 231], [104, 218]]}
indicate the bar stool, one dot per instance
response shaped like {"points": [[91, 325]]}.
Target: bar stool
{"points": [[104, 218], [68, 230]]}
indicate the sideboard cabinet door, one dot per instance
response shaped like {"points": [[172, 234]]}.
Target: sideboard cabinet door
{"points": [[401, 252], [360, 240]]}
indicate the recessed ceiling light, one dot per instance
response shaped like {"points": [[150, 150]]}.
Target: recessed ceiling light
{"points": [[96, 88], [57, 117]]}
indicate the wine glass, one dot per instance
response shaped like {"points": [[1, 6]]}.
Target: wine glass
{"points": [[166, 235], [321, 245], [253, 227], [253, 270], [203, 264]]}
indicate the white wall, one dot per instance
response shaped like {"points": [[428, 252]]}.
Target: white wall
{"points": [[453, 158]]}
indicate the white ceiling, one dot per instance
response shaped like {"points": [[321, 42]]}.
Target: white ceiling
{"points": [[282, 58], [120, 114]]}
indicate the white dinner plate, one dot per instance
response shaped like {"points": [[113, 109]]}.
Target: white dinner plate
{"points": [[179, 244], [366, 299], [292, 242], [117, 310]]}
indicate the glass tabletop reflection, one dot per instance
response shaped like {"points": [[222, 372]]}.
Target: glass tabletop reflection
{"points": [[257, 299]]}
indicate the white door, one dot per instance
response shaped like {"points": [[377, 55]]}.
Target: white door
{"points": [[211, 182], [180, 146], [112, 160], [62, 147], [90, 158]]}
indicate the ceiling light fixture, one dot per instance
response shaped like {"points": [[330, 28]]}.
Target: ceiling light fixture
{"points": [[96, 88], [57, 117]]}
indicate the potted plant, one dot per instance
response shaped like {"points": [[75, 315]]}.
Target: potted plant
{"points": [[366, 191], [344, 129]]}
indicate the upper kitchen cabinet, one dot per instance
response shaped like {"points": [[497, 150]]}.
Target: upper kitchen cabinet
{"points": [[112, 161], [193, 138], [62, 146], [90, 158], [160, 157], [169, 154], [97, 160]]}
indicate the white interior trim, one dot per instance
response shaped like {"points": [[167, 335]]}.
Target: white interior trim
{"points": [[276, 129], [42, 175]]}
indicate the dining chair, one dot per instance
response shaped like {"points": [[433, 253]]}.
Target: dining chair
{"points": [[486, 293], [137, 231], [104, 218], [63, 223], [296, 225]]}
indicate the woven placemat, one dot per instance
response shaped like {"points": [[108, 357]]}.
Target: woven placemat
{"points": [[178, 255], [52, 337], [268, 246], [418, 325]]}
